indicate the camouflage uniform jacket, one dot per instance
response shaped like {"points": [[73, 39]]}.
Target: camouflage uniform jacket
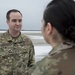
{"points": [[60, 61], [16, 54]]}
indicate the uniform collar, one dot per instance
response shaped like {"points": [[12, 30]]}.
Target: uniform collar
{"points": [[10, 38], [64, 45]]}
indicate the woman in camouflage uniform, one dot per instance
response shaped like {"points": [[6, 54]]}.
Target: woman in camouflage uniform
{"points": [[58, 29]]}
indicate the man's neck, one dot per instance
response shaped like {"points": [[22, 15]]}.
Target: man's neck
{"points": [[14, 33]]}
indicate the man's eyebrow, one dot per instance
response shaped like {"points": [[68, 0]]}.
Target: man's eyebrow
{"points": [[14, 19], [17, 20]]}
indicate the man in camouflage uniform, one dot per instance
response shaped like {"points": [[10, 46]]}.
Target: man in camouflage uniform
{"points": [[58, 29], [16, 49]]}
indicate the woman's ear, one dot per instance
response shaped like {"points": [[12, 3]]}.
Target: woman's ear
{"points": [[49, 28]]}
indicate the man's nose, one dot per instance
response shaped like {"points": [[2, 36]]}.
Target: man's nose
{"points": [[17, 23]]}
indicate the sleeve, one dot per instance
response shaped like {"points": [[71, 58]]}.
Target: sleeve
{"points": [[47, 66], [31, 70], [28, 42], [31, 55]]}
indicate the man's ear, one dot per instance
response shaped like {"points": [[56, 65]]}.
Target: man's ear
{"points": [[7, 21], [49, 28]]}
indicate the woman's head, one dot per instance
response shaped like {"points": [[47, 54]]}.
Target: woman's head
{"points": [[61, 15]]}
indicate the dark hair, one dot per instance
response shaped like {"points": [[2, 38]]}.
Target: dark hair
{"points": [[12, 10], [61, 15]]}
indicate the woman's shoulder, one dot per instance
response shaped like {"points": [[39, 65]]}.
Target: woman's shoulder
{"points": [[54, 62]]}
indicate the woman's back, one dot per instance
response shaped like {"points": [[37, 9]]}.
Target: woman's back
{"points": [[60, 61], [58, 29]]}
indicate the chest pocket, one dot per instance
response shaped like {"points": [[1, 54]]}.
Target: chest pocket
{"points": [[14, 52]]}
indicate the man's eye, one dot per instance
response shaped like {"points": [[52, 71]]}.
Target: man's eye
{"points": [[20, 20], [14, 20]]}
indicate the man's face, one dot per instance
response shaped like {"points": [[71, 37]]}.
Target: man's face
{"points": [[15, 21]]}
